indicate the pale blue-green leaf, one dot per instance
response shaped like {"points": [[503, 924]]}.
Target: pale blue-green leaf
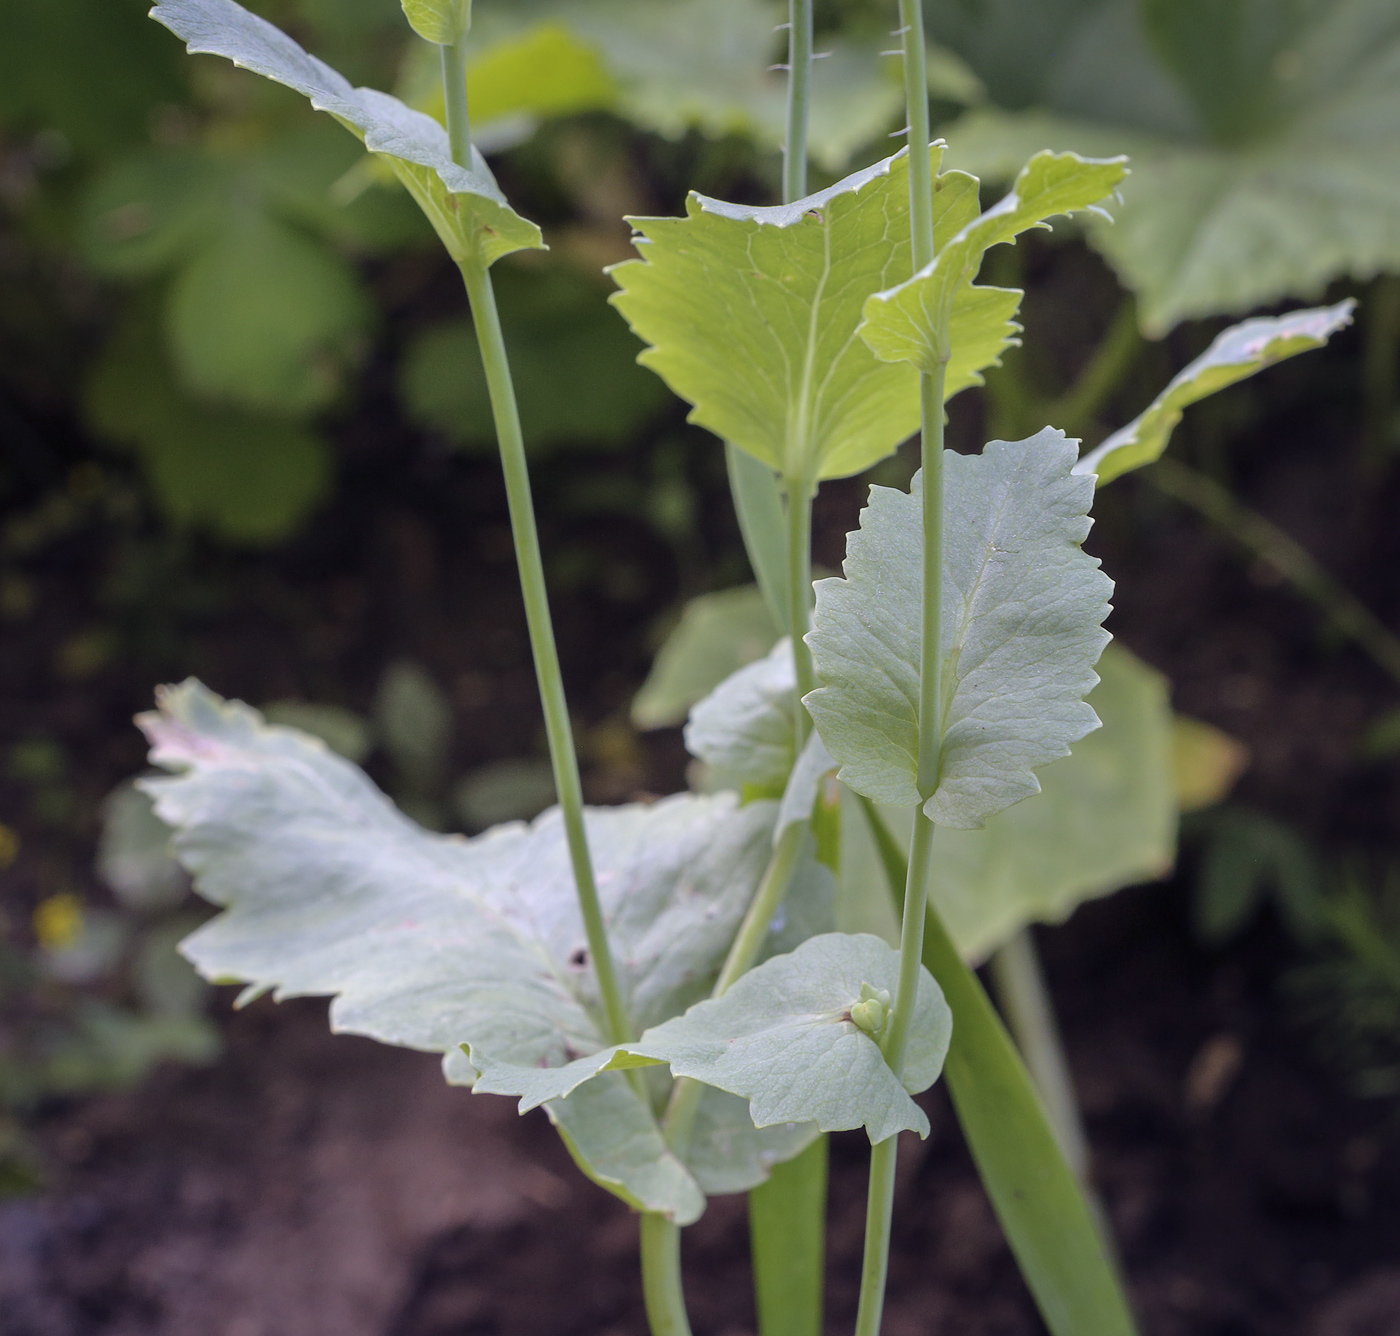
{"points": [[433, 941], [782, 1038], [744, 729], [1233, 355], [614, 1138], [1022, 607], [728, 1153], [751, 316], [441, 22], [814, 763], [915, 321], [717, 634], [1105, 818], [464, 204]]}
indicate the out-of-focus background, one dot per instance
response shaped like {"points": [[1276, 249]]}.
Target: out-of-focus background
{"points": [[244, 435]]}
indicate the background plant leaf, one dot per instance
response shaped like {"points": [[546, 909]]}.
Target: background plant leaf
{"points": [[1265, 138], [1022, 607], [441, 22]]}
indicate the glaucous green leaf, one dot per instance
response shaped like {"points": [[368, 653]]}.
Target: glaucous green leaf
{"points": [[717, 634], [918, 320], [744, 729], [751, 313], [782, 1037], [441, 22], [1233, 355], [728, 1153], [1022, 607], [1264, 166], [464, 204], [432, 941], [1105, 818], [266, 319]]}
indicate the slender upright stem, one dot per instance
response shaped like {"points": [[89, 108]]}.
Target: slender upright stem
{"points": [[911, 28], [880, 1196], [454, 96], [771, 890], [1025, 1001], [558, 728], [661, 1277], [799, 93], [799, 554]]}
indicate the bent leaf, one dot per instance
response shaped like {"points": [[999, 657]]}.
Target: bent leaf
{"points": [[918, 320], [1236, 354], [751, 316], [1022, 607], [782, 1038], [464, 204], [441, 22]]}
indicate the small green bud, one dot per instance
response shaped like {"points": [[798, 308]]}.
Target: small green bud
{"points": [[873, 1009]]}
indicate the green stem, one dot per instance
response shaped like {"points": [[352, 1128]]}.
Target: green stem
{"points": [[799, 589], [931, 653], [879, 1210], [1075, 410], [1025, 1002], [799, 93], [771, 890], [1347, 614], [911, 942], [454, 96], [911, 22], [558, 728], [661, 1276]]}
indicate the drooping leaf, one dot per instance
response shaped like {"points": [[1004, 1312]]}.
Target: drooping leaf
{"points": [[727, 1153], [431, 941], [1022, 607], [782, 1038], [1235, 354], [1264, 166], [441, 22], [717, 634], [751, 315], [917, 321], [1105, 817], [464, 204]]}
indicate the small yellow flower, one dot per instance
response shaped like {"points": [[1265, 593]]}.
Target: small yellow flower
{"points": [[58, 921]]}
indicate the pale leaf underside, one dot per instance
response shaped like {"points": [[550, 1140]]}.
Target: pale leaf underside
{"points": [[464, 204], [1021, 630], [1235, 354]]}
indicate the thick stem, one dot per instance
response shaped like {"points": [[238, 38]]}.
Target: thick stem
{"points": [[661, 1276], [1025, 1001], [454, 96], [558, 728], [799, 93], [879, 1209]]}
